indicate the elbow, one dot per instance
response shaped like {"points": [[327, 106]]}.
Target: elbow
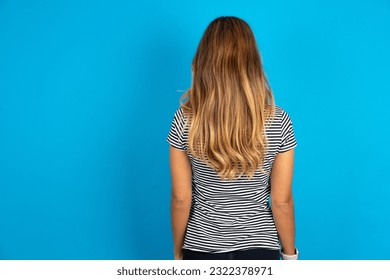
{"points": [[180, 202], [282, 204]]}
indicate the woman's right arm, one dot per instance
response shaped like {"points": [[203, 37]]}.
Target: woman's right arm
{"points": [[282, 200]]}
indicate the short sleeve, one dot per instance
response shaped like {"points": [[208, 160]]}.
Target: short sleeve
{"points": [[176, 133], [288, 140]]}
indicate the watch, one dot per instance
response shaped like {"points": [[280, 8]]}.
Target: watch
{"points": [[290, 257]]}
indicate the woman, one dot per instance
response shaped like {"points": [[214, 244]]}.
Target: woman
{"points": [[231, 150]]}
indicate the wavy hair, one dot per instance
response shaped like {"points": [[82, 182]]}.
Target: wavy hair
{"points": [[230, 100]]}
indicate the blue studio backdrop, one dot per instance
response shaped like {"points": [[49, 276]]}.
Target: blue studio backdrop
{"points": [[87, 94]]}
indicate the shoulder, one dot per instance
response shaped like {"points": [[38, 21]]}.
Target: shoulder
{"points": [[180, 115], [284, 123], [281, 119], [280, 114], [180, 118]]}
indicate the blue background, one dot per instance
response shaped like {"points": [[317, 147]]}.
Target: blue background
{"points": [[87, 94]]}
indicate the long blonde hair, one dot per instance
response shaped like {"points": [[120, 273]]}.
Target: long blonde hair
{"points": [[229, 101]]}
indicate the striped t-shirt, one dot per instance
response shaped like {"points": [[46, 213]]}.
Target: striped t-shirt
{"points": [[235, 214]]}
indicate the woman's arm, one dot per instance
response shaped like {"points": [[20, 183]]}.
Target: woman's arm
{"points": [[181, 196], [282, 200]]}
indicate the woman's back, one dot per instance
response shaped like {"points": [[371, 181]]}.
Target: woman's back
{"points": [[228, 215]]}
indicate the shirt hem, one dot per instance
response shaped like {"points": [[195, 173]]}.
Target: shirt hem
{"points": [[231, 249]]}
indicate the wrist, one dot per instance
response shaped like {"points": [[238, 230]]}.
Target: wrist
{"points": [[290, 256], [288, 250]]}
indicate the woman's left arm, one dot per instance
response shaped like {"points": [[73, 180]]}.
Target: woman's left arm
{"points": [[181, 196]]}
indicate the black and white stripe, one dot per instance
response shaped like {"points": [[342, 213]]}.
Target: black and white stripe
{"points": [[235, 214]]}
